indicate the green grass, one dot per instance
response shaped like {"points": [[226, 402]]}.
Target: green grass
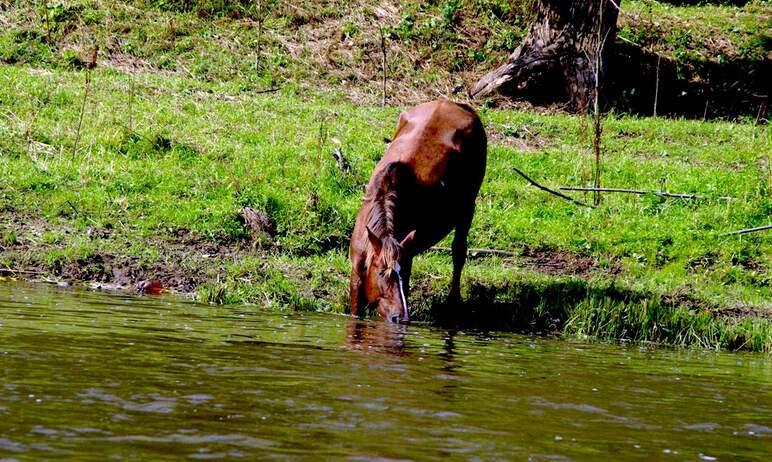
{"points": [[177, 139], [170, 187], [334, 46], [710, 32]]}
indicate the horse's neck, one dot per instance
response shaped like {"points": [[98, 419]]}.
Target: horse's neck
{"points": [[383, 214]]}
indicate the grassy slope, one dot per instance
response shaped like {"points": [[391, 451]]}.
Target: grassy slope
{"points": [[169, 156], [335, 45], [710, 32]]}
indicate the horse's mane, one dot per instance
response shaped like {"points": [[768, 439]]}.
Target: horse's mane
{"points": [[385, 194]]}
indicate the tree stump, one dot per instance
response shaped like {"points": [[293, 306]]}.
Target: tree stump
{"points": [[557, 60]]}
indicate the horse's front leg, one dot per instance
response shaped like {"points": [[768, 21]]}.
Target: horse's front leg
{"points": [[407, 270], [355, 292]]}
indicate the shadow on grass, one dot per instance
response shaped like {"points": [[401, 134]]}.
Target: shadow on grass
{"points": [[688, 88], [575, 306]]}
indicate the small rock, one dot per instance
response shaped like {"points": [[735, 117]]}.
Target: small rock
{"points": [[258, 222], [150, 287]]}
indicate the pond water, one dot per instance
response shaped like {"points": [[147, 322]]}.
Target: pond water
{"points": [[92, 376]]}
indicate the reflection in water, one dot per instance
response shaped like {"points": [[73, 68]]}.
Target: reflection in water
{"points": [[448, 352], [378, 337], [85, 376]]}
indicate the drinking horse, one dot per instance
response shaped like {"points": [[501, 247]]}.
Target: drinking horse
{"points": [[423, 187]]}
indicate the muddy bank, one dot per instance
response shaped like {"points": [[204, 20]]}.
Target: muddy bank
{"points": [[182, 263]]}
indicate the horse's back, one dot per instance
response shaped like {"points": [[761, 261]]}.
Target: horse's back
{"points": [[438, 139]]}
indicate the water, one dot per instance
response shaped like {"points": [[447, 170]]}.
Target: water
{"points": [[89, 376]]}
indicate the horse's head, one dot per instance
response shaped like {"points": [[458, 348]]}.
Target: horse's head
{"points": [[383, 284]]}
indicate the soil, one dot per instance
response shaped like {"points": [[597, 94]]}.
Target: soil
{"points": [[185, 261], [523, 140]]}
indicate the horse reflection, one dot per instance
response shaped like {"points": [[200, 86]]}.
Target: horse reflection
{"points": [[376, 337]]}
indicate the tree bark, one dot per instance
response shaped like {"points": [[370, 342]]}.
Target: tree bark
{"points": [[556, 61]]}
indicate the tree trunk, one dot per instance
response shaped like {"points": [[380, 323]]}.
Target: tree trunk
{"points": [[557, 60]]}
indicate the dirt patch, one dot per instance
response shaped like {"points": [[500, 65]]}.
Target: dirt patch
{"points": [[559, 263], [125, 272], [685, 297], [744, 311], [553, 262], [183, 262], [521, 139], [126, 63]]}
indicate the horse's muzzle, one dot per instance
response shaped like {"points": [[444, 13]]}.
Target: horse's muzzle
{"points": [[399, 319]]}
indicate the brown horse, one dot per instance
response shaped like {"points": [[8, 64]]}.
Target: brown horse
{"points": [[423, 187]]}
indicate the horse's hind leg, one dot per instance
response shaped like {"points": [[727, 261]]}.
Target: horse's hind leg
{"points": [[459, 255]]}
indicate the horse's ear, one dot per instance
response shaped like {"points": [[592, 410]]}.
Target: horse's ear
{"points": [[374, 240], [408, 240]]}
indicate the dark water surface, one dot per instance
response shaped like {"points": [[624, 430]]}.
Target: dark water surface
{"points": [[89, 376]]}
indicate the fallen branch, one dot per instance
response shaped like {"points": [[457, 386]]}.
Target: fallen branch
{"points": [[748, 230], [504, 253], [268, 90], [638, 191], [544, 188]]}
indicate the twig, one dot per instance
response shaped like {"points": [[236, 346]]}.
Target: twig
{"points": [[86, 86], [90, 64], [130, 131], [748, 230], [72, 206], [383, 66], [48, 25], [269, 90], [762, 107], [131, 100], [597, 125], [656, 87], [504, 253], [30, 126], [625, 39], [78, 213], [321, 139], [638, 191], [543, 188], [259, 33]]}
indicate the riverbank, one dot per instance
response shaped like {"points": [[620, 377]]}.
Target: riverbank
{"points": [[150, 174]]}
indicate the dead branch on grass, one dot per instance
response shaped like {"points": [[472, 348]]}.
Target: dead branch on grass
{"points": [[544, 188], [748, 230], [268, 90], [641, 192]]}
